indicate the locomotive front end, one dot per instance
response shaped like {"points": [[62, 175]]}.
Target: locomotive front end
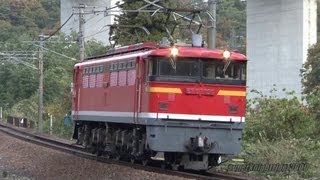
{"points": [[197, 102]]}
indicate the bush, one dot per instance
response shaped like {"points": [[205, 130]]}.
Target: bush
{"points": [[272, 118], [285, 152], [282, 131], [313, 100]]}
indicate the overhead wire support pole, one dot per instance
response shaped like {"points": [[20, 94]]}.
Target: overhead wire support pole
{"points": [[212, 27], [81, 32], [62, 55], [40, 69]]}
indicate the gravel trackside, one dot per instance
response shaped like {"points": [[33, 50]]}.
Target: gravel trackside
{"points": [[37, 162]]}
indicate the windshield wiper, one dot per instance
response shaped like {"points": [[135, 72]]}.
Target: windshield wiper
{"points": [[226, 65]]}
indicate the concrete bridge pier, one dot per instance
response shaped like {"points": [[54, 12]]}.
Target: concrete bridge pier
{"points": [[279, 34]]}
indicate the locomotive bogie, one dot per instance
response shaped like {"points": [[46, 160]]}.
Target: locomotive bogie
{"points": [[135, 143]]}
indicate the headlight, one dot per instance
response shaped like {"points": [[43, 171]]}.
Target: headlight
{"points": [[174, 51], [226, 54]]}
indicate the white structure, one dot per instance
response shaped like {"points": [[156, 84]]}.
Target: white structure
{"points": [[279, 33], [96, 26]]}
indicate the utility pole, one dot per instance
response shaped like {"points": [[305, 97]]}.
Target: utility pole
{"points": [[40, 69], [81, 31], [212, 30]]}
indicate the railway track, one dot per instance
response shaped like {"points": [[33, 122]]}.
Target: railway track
{"points": [[79, 151]]}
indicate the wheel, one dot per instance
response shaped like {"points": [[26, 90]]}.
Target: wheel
{"points": [[145, 162], [99, 153], [163, 165], [107, 156], [175, 167], [116, 157], [132, 160]]}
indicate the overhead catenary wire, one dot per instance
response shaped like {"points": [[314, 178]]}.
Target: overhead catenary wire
{"points": [[31, 45], [58, 28], [108, 11], [18, 61], [12, 56], [56, 52], [101, 31]]}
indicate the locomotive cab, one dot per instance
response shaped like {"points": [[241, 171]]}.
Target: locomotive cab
{"points": [[200, 99]]}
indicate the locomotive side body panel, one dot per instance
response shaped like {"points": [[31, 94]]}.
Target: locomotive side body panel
{"points": [[109, 89]]}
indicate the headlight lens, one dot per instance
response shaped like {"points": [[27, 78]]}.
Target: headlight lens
{"points": [[226, 54], [174, 51]]}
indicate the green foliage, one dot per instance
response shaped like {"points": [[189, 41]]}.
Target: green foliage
{"points": [[285, 152], [17, 83], [58, 109], [26, 108], [313, 100], [231, 23], [126, 34], [18, 90], [311, 71], [95, 49], [281, 131], [311, 82], [27, 17], [274, 119], [58, 68]]}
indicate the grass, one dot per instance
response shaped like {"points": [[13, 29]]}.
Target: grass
{"points": [[294, 151]]}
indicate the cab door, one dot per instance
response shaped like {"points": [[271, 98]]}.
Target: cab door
{"points": [[76, 91], [138, 101]]}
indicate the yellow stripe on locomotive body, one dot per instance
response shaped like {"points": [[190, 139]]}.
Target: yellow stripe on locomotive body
{"points": [[165, 90], [231, 93], [178, 91]]}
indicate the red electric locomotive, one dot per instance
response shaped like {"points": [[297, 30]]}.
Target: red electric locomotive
{"points": [[184, 105]]}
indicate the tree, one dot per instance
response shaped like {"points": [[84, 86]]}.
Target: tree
{"points": [[311, 71], [231, 23], [17, 82], [94, 48], [123, 31], [311, 80], [27, 17], [270, 118], [23, 20]]}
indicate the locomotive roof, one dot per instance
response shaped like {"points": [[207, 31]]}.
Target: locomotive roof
{"points": [[151, 49], [199, 52]]}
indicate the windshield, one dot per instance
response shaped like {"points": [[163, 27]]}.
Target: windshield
{"points": [[224, 70], [183, 68], [198, 70]]}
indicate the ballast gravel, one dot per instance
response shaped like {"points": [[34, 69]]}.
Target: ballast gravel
{"points": [[31, 161]]}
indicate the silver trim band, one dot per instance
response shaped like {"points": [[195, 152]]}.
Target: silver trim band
{"points": [[163, 116]]}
